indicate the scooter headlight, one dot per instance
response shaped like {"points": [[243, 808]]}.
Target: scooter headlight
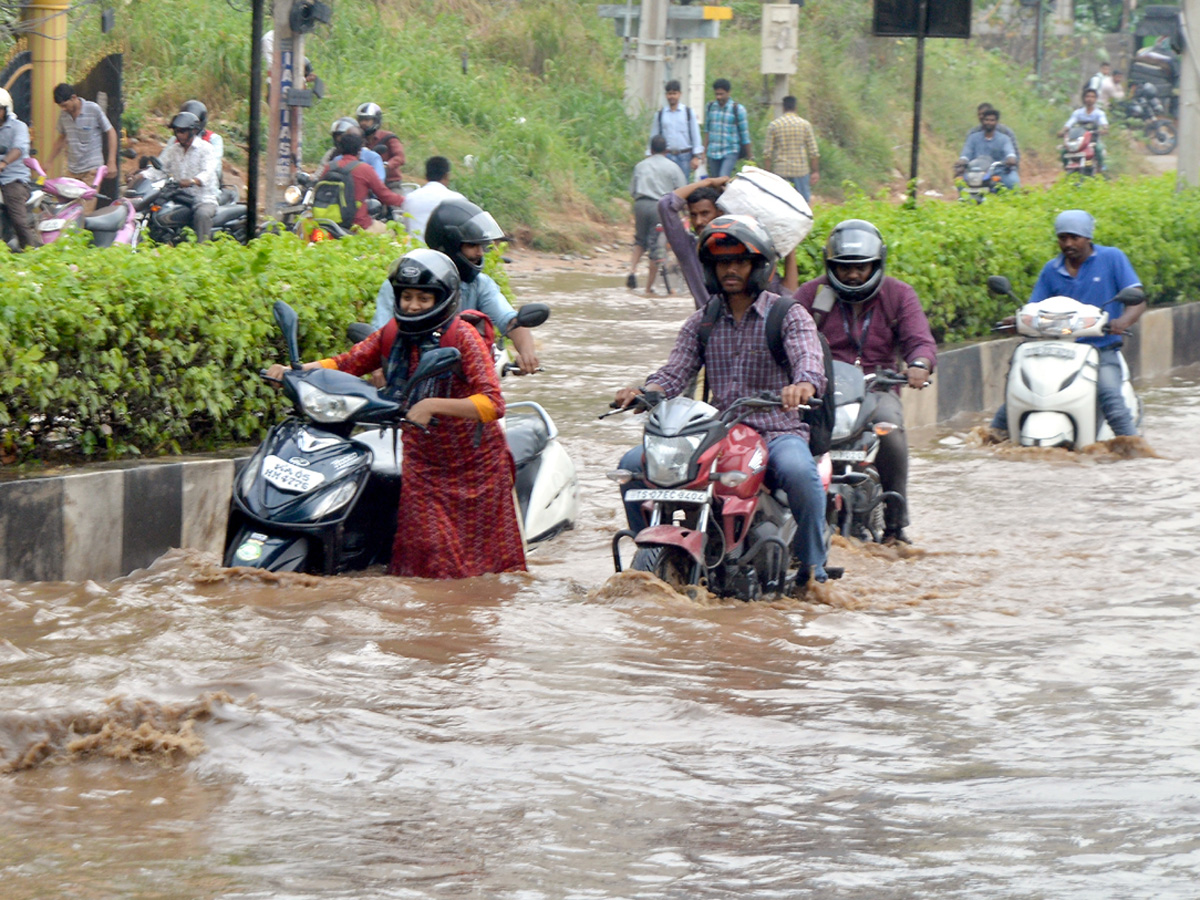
{"points": [[333, 499], [668, 458], [321, 406], [249, 474], [843, 421]]}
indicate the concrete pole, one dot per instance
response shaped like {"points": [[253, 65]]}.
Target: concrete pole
{"points": [[644, 73], [284, 124], [45, 22], [1189, 98]]}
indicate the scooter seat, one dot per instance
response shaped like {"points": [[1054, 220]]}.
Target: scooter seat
{"points": [[227, 214], [108, 219], [527, 437]]}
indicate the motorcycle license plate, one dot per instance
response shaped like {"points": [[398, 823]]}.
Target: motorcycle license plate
{"points": [[667, 496], [847, 455], [290, 477]]}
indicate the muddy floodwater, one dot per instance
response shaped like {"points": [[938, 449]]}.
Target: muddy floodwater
{"points": [[1011, 710]]}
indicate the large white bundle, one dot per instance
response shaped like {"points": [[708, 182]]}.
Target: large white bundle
{"points": [[774, 202]]}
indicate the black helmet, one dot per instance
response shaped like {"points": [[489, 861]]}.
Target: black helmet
{"points": [[1146, 89], [736, 237], [855, 241], [369, 111], [429, 271], [186, 121], [456, 222], [199, 110]]}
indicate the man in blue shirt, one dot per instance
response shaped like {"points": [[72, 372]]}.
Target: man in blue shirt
{"points": [[681, 129], [992, 144], [728, 131], [1095, 274]]}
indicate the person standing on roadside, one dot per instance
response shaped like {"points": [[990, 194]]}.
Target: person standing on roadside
{"points": [[728, 131], [86, 132], [680, 128], [791, 150], [14, 174], [652, 177]]}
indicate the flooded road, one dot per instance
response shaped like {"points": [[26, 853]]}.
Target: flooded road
{"points": [[1011, 712]]}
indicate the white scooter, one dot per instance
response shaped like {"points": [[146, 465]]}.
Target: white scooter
{"points": [[1051, 396]]}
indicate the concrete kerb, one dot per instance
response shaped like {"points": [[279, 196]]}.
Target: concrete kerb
{"points": [[106, 523]]}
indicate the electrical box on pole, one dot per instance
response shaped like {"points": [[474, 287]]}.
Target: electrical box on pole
{"points": [[780, 41]]}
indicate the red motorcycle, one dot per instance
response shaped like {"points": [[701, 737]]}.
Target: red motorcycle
{"points": [[1079, 151], [712, 520]]}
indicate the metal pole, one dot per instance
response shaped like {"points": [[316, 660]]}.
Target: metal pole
{"points": [[256, 100], [919, 84], [1037, 40]]}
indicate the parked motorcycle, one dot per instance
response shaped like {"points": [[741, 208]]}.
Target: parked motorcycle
{"points": [[1079, 151], [1145, 111], [859, 501], [320, 494], [164, 213], [712, 519], [1051, 395], [982, 176]]}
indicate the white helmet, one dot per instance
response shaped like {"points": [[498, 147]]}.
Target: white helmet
{"points": [[5, 100]]}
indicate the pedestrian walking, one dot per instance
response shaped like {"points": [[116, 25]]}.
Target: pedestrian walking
{"points": [[791, 150], [653, 177], [89, 137], [727, 129], [680, 127]]}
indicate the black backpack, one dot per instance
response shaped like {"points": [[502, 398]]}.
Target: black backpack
{"points": [[333, 197], [819, 420]]}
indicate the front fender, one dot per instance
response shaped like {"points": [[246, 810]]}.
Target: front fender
{"points": [[692, 542]]}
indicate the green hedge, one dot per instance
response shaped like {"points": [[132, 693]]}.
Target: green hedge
{"points": [[112, 353], [947, 250]]}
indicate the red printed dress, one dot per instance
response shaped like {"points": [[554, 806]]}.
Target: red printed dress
{"points": [[457, 514]]}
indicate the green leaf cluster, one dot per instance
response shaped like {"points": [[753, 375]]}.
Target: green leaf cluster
{"points": [[947, 250], [113, 353]]}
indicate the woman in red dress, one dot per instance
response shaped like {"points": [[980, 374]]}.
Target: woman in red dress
{"points": [[457, 515]]}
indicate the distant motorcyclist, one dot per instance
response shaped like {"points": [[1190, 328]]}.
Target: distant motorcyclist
{"points": [[366, 181], [1092, 117], [463, 231], [367, 155], [386, 144], [990, 143], [207, 134], [193, 164], [871, 320], [14, 174], [1000, 127], [738, 259]]}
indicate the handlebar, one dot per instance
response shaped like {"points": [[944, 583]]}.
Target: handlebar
{"points": [[514, 369]]}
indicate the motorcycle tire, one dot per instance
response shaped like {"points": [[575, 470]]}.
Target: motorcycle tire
{"points": [[668, 564], [1161, 138]]}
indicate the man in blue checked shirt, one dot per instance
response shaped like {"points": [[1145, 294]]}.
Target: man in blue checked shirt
{"points": [[727, 129], [738, 258]]}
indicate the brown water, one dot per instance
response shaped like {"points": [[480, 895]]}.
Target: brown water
{"points": [[1011, 710]]}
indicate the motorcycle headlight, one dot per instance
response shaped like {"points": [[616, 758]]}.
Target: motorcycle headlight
{"points": [[293, 194], [668, 458], [843, 421], [333, 499], [321, 406]]}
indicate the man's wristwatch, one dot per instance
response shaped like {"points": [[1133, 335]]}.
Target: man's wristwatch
{"points": [[919, 364]]}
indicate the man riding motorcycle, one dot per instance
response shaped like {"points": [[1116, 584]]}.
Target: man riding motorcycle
{"points": [[193, 164], [991, 143], [463, 231], [370, 118], [738, 258], [1093, 118], [366, 154], [870, 319]]}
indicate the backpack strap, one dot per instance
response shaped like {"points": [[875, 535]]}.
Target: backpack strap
{"points": [[774, 329], [712, 312]]}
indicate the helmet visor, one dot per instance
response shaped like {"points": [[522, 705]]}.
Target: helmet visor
{"points": [[854, 245], [480, 229]]}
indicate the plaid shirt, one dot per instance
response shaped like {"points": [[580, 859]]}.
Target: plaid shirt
{"points": [[726, 128], [738, 362], [790, 146]]}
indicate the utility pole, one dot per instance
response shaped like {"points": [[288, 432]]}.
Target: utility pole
{"points": [[643, 90], [284, 129], [1189, 97], [918, 91], [255, 136]]}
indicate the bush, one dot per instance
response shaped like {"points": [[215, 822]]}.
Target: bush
{"points": [[947, 250]]}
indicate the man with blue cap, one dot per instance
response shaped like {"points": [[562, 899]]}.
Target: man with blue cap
{"points": [[1095, 274]]}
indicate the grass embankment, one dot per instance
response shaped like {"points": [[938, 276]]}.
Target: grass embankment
{"points": [[540, 104]]}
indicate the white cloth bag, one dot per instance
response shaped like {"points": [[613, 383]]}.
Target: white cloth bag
{"points": [[773, 201]]}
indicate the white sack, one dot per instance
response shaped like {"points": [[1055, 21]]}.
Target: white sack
{"points": [[774, 202]]}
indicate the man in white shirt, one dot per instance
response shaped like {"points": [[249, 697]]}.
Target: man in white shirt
{"points": [[193, 164], [681, 129], [421, 203]]}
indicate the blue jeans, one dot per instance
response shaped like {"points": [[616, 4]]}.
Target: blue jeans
{"points": [[684, 161], [1010, 179], [790, 468], [1108, 394], [722, 166], [803, 183]]}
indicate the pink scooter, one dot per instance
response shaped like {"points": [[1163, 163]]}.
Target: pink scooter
{"points": [[116, 224]]}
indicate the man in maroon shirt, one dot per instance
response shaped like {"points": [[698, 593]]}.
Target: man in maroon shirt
{"points": [[871, 321], [366, 182]]}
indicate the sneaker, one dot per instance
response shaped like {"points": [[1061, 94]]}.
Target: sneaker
{"points": [[895, 536], [631, 281]]}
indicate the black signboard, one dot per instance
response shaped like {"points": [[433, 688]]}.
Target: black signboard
{"points": [[899, 18]]}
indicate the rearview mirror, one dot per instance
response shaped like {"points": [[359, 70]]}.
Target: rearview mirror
{"points": [[1131, 296], [433, 363], [289, 324], [531, 315], [359, 332], [998, 284]]}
